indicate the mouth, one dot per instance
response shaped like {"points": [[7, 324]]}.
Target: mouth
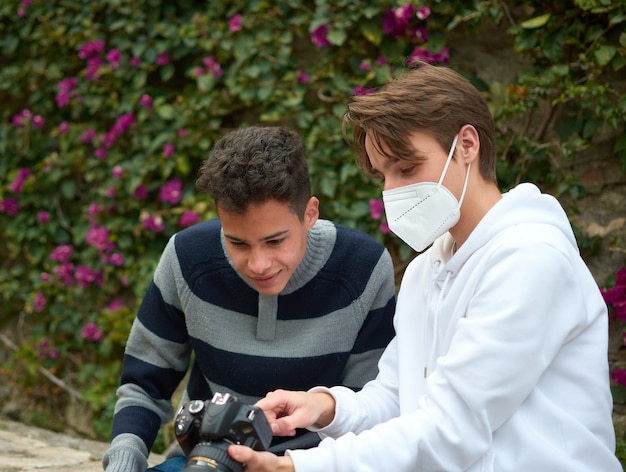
{"points": [[265, 281]]}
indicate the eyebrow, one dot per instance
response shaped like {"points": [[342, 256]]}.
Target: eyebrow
{"points": [[263, 239]]}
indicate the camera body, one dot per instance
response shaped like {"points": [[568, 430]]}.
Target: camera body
{"points": [[205, 429]]}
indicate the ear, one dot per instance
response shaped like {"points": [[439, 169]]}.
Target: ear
{"points": [[468, 145], [311, 212]]}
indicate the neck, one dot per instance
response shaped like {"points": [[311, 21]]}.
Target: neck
{"points": [[475, 206]]}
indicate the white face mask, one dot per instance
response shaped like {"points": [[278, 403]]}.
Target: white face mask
{"points": [[420, 213]]}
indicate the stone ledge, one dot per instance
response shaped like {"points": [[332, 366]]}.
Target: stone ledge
{"points": [[30, 448]]}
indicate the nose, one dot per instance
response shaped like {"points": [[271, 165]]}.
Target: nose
{"points": [[259, 261]]}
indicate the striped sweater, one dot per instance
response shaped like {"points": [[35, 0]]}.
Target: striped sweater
{"points": [[328, 326]]}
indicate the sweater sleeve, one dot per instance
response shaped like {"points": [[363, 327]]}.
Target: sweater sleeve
{"points": [[156, 359], [376, 330]]}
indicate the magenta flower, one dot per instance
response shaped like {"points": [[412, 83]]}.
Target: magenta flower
{"points": [[362, 90], [39, 302], [198, 71], [92, 333], [93, 68], [93, 209], [61, 253], [213, 66], [619, 376], [114, 56], [234, 24], [65, 272], [10, 206], [117, 172], [100, 153], [163, 59], [376, 208], [141, 192], [87, 136], [44, 277], [319, 36], [395, 21], [182, 133], [66, 91], [18, 182], [115, 304], [110, 192], [135, 61], [154, 223], [116, 259], [171, 191], [303, 77], [384, 227], [423, 13], [64, 127], [168, 150], [616, 296], [188, 218], [91, 48], [98, 237], [85, 276], [22, 118], [145, 101], [381, 60], [365, 65], [38, 121], [46, 351], [43, 216]]}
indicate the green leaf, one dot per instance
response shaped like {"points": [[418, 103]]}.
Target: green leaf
{"points": [[604, 54], [166, 111], [536, 22]]}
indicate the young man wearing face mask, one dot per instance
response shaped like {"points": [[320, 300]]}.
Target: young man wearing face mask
{"points": [[267, 296], [500, 357]]}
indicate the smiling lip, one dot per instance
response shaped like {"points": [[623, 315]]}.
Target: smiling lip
{"points": [[265, 281]]}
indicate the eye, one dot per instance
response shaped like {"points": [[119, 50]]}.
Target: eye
{"points": [[407, 170], [275, 242]]}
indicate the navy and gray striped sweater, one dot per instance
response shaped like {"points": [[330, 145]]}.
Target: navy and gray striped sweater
{"points": [[328, 326]]}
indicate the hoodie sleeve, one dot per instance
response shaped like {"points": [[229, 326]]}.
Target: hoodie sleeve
{"points": [[527, 303]]}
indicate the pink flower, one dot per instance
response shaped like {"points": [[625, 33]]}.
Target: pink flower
{"points": [[234, 24], [22, 118], [141, 192], [44, 277], [93, 209], [198, 71], [88, 136], [38, 121], [91, 332], [93, 68], [110, 192], [100, 153], [423, 13], [319, 36], [365, 65], [145, 101], [381, 60], [91, 48], [43, 216], [10, 206], [168, 150], [171, 191], [61, 253], [64, 127], [395, 21], [117, 259], [188, 218], [303, 77], [135, 61], [376, 208], [98, 237], [18, 182], [117, 172], [65, 272], [163, 59], [619, 376], [86, 276], [362, 90], [182, 133], [39, 302], [114, 56], [213, 66], [115, 304], [154, 223], [66, 91], [384, 228]]}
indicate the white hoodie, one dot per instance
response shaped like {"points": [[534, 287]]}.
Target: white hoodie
{"points": [[512, 333]]}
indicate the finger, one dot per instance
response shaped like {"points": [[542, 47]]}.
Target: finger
{"points": [[241, 453]]}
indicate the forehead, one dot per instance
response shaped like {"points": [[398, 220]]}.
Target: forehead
{"points": [[260, 220]]}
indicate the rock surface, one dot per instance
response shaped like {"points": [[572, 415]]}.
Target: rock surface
{"points": [[30, 448]]}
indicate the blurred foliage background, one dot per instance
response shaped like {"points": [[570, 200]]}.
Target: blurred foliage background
{"points": [[108, 108]]}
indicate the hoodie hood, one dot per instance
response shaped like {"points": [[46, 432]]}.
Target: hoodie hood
{"points": [[531, 206]]}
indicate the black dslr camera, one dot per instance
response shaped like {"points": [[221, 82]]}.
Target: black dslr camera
{"points": [[205, 429]]}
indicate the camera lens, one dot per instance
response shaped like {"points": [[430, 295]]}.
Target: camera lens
{"points": [[211, 456]]}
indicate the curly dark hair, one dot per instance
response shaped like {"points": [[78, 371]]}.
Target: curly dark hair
{"points": [[256, 164]]}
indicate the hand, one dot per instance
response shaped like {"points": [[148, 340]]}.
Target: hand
{"points": [[260, 461], [286, 411]]}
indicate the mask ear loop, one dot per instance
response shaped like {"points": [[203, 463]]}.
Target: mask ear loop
{"points": [[445, 169]]}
